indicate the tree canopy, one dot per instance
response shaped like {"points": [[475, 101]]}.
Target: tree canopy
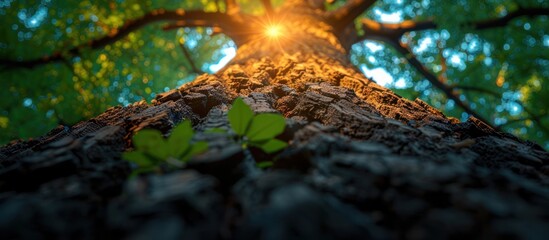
{"points": [[66, 61]]}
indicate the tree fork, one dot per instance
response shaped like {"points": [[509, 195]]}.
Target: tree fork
{"points": [[397, 30]]}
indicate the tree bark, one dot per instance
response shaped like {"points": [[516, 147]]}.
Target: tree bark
{"points": [[362, 161]]}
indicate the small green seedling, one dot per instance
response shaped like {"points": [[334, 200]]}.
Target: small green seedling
{"points": [[257, 130], [152, 149]]}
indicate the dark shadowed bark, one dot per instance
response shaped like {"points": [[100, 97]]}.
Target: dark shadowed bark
{"points": [[363, 163]]}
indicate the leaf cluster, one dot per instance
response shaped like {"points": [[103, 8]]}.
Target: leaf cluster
{"points": [[152, 150], [257, 130]]}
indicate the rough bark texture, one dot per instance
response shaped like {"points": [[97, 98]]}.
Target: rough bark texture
{"points": [[362, 162]]}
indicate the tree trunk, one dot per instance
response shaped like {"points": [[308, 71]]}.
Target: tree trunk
{"points": [[362, 161]]}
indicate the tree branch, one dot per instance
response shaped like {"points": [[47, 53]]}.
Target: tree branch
{"points": [[393, 30], [396, 30], [448, 91], [232, 7], [187, 54], [207, 18], [182, 24], [345, 15], [391, 34], [478, 89], [268, 6], [503, 21]]}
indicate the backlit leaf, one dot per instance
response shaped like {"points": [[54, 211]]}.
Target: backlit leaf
{"points": [[147, 139], [178, 141], [265, 126], [196, 148], [272, 146], [240, 116], [266, 164]]}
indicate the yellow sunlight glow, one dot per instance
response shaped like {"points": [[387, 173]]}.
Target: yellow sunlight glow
{"points": [[273, 31]]}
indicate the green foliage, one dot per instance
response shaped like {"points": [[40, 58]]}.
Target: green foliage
{"points": [[271, 145], [240, 116], [502, 72], [259, 130], [266, 164], [265, 126], [146, 62], [152, 150]]}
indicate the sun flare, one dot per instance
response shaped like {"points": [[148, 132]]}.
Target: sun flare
{"points": [[273, 31]]}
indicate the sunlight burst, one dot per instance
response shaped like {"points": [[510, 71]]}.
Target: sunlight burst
{"points": [[273, 31]]}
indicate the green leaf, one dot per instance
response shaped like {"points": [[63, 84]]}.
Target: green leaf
{"points": [[147, 139], [199, 147], [151, 142], [160, 152], [152, 149], [196, 148], [178, 142], [266, 164], [240, 116], [265, 126], [272, 145], [182, 132], [137, 157]]}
